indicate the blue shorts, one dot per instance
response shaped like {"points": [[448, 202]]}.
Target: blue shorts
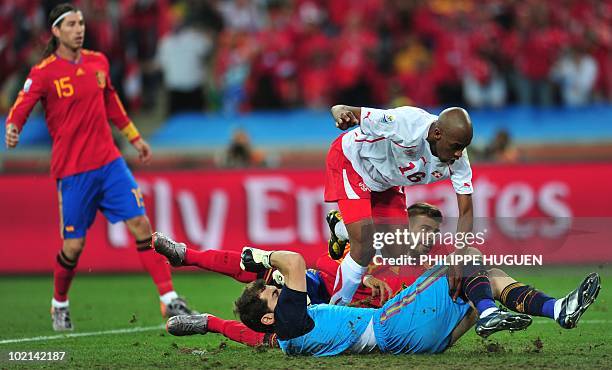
{"points": [[110, 189], [421, 318]]}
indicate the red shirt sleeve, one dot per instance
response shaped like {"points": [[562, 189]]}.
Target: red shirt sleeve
{"points": [[114, 108], [33, 90]]}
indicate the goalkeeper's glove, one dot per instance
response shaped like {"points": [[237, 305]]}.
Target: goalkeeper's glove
{"points": [[255, 260], [278, 279]]}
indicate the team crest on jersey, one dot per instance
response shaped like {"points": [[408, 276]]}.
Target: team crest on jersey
{"points": [[388, 118], [364, 187], [27, 85], [436, 174], [101, 77]]}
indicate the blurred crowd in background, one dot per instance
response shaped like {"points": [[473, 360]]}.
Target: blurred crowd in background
{"points": [[242, 55]]}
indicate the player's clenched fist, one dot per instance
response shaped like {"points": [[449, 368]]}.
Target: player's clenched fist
{"points": [[255, 260], [11, 137], [144, 151], [344, 117]]}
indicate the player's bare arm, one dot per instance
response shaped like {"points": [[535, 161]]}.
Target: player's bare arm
{"points": [[11, 138], [464, 225], [346, 116], [466, 213], [293, 268], [290, 264]]}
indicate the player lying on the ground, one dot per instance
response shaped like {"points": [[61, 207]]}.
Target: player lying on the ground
{"points": [[371, 293], [423, 318], [320, 283], [381, 282], [422, 217]]}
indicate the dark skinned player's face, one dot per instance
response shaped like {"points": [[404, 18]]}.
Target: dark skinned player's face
{"points": [[449, 147]]}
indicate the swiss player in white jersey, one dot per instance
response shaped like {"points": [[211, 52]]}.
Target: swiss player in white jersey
{"points": [[368, 166]]}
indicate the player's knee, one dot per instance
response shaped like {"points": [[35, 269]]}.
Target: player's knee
{"points": [[139, 226], [495, 272], [361, 234], [499, 280], [72, 248]]}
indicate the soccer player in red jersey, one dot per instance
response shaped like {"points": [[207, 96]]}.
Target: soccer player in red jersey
{"points": [[75, 90]]}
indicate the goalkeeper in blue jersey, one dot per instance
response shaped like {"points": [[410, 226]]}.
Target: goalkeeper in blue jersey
{"points": [[422, 318]]}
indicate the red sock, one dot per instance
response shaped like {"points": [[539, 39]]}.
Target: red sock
{"points": [[156, 266], [63, 272], [238, 332], [223, 262]]}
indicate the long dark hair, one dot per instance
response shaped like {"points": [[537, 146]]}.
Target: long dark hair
{"points": [[53, 15]]}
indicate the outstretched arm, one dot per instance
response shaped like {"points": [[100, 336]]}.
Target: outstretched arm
{"points": [[466, 213], [464, 225]]}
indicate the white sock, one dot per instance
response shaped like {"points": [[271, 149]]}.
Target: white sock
{"points": [[58, 304], [488, 311], [351, 273], [168, 297], [340, 231]]}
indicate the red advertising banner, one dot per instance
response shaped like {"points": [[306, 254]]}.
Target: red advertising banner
{"points": [[564, 207]]}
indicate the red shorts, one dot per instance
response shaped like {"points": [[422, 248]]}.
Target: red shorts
{"points": [[355, 200]]}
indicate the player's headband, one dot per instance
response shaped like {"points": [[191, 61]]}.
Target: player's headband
{"points": [[59, 19]]}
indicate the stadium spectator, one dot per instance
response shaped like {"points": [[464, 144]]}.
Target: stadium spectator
{"points": [[483, 86], [182, 57], [273, 83], [143, 23], [425, 52], [576, 73], [483, 82], [242, 15], [232, 67], [537, 45]]}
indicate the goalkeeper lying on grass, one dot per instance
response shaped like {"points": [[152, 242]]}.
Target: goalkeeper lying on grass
{"points": [[421, 319], [381, 282], [378, 286]]}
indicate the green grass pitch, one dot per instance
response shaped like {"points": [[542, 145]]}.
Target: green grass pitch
{"points": [[106, 302]]}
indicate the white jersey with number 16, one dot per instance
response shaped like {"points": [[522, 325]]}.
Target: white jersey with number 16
{"points": [[390, 148]]}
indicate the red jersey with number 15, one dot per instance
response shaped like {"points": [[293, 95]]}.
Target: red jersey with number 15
{"points": [[78, 100]]}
